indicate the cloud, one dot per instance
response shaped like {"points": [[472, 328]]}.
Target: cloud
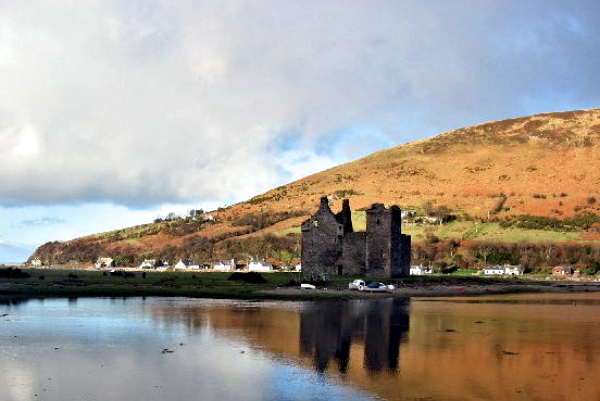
{"points": [[147, 102], [14, 253], [43, 221]]}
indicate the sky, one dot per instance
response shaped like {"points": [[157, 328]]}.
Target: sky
{"points": [[113, 112]]}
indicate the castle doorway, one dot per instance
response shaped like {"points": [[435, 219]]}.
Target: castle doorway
{"points": [[340, 270]]}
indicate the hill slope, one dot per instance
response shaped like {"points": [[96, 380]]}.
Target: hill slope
{"points": [[542, 165]]}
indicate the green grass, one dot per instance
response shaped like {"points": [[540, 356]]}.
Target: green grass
{"points": [[468, 230], [291, 230], [57, 283]]}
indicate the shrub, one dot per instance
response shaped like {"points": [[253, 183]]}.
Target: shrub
{"points": [[13, 273], [343, 193], [499, 204], [258, 221], [251, 278], [591, 200]]}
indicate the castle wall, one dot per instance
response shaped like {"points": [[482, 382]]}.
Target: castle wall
{"points": [[378, 252], [353, 259], [405, 255], [330, 246], [321, 242], [396, 248]]}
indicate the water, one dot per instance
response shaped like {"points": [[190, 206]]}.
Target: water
{"points": [[526, 347]]}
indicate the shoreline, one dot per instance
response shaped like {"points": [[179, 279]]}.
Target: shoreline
{"points": [[41, 284], [449, 291]]}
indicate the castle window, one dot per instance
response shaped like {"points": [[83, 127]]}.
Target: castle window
{"points": [[316, 223], [377, 221]]}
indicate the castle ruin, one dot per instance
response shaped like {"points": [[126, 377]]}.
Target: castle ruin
{"points": [[331, 246]]}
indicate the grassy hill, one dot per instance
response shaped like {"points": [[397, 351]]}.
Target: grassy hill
{"points": [[531, 180]]}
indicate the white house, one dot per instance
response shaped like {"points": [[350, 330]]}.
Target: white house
{"points": [[419, 270], [187, 265], [259, 266], [148, 264], [489, 270], [36, 262], [224, 265], [104, 262], [298, 267], [513, 270]]}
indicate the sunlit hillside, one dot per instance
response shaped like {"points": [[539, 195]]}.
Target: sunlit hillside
{"points": [[491, 178]]}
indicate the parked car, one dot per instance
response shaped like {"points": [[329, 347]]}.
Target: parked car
{"points": [[307, 287], [376, 286], [357, 285]]}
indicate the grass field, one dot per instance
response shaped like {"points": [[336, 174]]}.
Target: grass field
{"points": [[83, 283], [468, 230]]}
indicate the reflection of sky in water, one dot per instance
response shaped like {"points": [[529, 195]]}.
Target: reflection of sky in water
{"points": [[519, 347], [107, 349]]}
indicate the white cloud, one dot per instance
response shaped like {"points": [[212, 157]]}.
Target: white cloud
{"points": [[147, 102]]}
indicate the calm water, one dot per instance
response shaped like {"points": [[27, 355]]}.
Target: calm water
{"points": [[528, 347]]}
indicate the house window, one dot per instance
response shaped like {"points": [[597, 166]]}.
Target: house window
{"points": [[316, 223]]}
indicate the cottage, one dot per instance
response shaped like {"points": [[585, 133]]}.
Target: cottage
{"points": [[298, 267], [104, 262], [148, 264], [490, 270], [513, 270], [259, 266], [36, 262], [224, 265], [419, 270], [187, 265], [562, 271]]}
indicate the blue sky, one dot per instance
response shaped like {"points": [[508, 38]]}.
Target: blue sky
{"points": [[114, 112]]}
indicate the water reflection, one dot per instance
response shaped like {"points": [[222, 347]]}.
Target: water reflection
{"points": [[328, 330], [526, 347]]}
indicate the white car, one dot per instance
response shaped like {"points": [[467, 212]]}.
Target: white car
{"points": [[307, 287], [377, 287], [357, 285]]}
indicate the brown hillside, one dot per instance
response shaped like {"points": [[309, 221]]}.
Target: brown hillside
{"points": [[544, 165]]}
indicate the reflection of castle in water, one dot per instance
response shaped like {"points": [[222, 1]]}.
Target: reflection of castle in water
{"points": [[328, 330]]}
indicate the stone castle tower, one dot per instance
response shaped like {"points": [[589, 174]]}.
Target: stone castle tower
{"points": [[330, 245]]}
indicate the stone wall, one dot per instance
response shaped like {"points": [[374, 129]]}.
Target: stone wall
{"points": [[321, 241], [378, 241], [353, 259], [330, 246]]}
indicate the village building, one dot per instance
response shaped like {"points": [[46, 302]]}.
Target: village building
{"points": [[259, 266], [148, 264], [514, 270], [187, 265], [36, 262], [104, 262], [419, 270], [562, 271], [330, 245], [224, 265], [491, 270]]}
